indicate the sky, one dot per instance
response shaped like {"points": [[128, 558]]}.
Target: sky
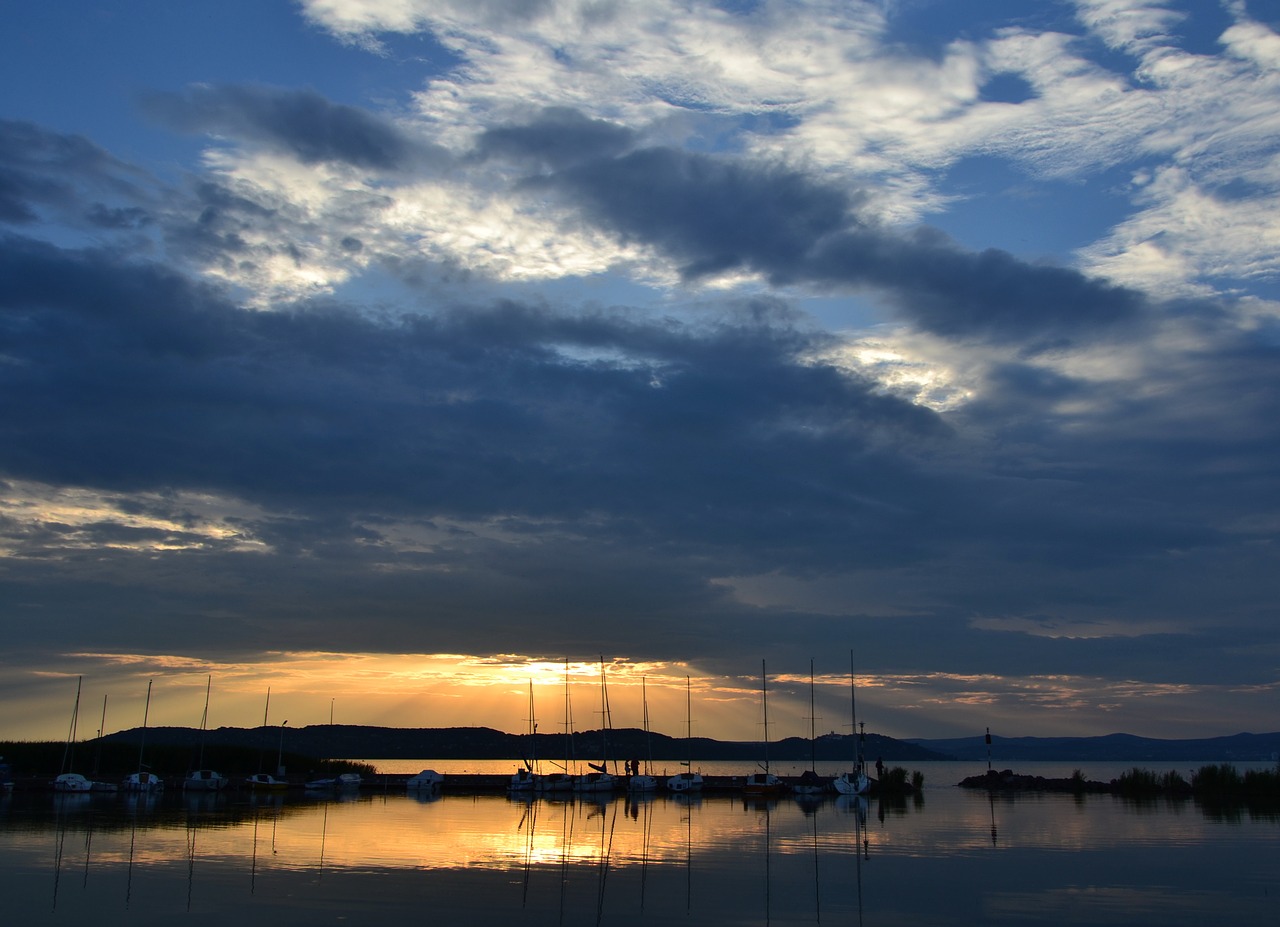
{"points": [[367, 360]]}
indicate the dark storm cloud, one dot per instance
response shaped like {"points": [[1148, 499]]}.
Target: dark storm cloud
{"points": [[557, 139], [956, 293], [617, 462], [301, 122], [40, 168], [713, 215], [607, 450], [557, 466], [709, 214], [128, 375]]}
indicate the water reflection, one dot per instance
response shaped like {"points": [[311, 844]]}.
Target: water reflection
{"points": [[961, 858]]}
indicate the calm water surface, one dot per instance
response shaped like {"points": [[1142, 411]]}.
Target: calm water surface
{"points": [[954, 857]]}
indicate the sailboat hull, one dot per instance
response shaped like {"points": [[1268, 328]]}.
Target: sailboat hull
{"points": [[205, 780], [642, 784], [72, 782], [763, 784], [852, 783], [263, 782], [555, 782], [685, 782], [595, 782], [143, 782], [522, 780]]}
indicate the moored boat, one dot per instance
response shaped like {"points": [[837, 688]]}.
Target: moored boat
{"points": [[687, 781], [855, 781], [810, 784], [556, 783], [344, 781], [205, 780], [764, 783], [643, 781], [143, 782], [265, 782], [427, 779], [599, 779], [72, 782], [525, 779], [68, 781], [562, 782]]}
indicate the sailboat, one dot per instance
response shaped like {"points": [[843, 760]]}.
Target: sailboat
{"points": [[562, 781], [687, 781], [854, 782], [599, 779], [526, 778], [142, 781], [66, 780], [646, 781], [265, 782], [764, 783], [810, 782], [200, 779]]}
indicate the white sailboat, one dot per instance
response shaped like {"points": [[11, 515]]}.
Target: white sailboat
{"points": [[525, 779], [646, 781], [426, 780], [265, 782], [66, 780], [563, 781], [764, 783], [599, 779], [143, 781], [200, 779], [687, 781], [855, 781], [810, 783]]}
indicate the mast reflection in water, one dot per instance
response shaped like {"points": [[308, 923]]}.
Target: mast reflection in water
{"points": [[286, 859]]}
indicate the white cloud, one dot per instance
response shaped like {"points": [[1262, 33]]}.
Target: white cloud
{"points": [[853, 109], [47, 521]]}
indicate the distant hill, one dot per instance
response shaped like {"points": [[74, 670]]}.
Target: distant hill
{"points": [[1236, 747], [342, 741]]}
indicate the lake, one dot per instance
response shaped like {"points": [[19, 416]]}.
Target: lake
{"points": [[950, 857]]}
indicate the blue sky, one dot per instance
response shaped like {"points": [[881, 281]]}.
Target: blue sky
{"points": [[396, 352]]}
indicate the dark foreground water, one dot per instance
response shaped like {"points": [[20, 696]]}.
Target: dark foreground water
{"points": [[956, 857]]}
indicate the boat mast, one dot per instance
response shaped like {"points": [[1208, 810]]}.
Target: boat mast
{"points": [[68, 752], [648, 742], [204, 720], [262, 752], [813, 736], [853, 716], [102, 731], [764, 705], [604, 722], [142, 741], [533, 733], [688, 724], [568, 722]]}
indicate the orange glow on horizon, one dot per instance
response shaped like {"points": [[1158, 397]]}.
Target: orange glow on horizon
{"points": [[459, 690], [393, 690]]}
